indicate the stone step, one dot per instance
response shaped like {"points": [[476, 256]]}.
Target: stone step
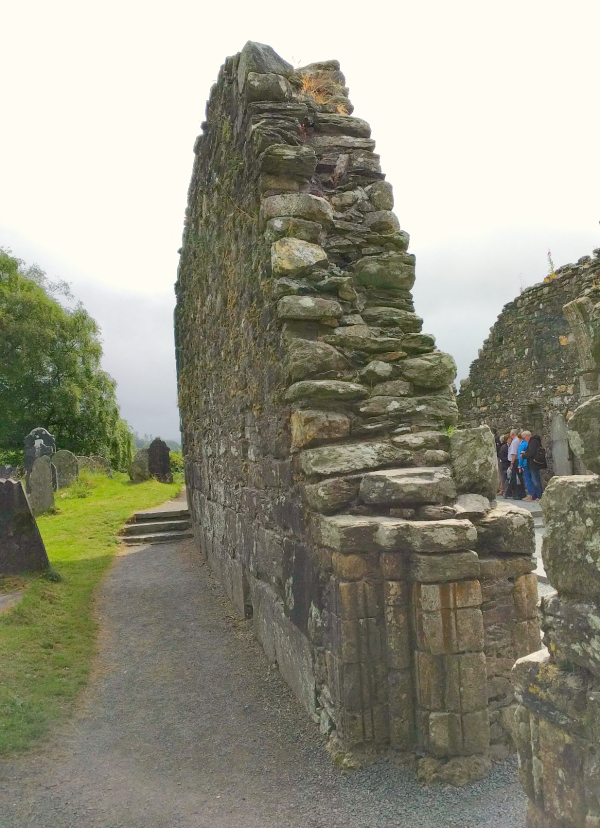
{"points": [[156, 526], [167, 514], [157, 537]]}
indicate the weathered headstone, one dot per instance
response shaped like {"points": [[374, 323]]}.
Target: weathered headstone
{"points": [[21, 545], [95, 463], [8, 472], [67, 467], [41, 493], [159, 461], [138, 469], [38, 443]]}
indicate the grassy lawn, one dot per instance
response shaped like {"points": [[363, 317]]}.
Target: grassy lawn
{"points": [[47, 641]]}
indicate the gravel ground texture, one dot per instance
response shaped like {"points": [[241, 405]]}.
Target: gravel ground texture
{"points": [[184, 725]]}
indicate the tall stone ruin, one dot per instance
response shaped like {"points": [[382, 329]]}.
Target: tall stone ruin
{"points": [[325, 489]]}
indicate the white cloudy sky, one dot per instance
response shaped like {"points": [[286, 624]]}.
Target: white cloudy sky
{"points": [[485, 114]]}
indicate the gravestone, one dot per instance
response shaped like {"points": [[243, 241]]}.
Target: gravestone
{"points": [[139, 469], [38, 443], [159, 461], [41, 492], [95, 463], [21, 545], [67, 467], [8, 472]]}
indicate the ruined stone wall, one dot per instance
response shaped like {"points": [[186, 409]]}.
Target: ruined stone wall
{"points": [[558, 718], [323, 487], [527, 372]]}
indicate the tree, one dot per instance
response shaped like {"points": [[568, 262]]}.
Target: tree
{"points": [[50, 372]]}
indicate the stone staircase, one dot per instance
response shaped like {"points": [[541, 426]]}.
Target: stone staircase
{"points": [[158, 527]]}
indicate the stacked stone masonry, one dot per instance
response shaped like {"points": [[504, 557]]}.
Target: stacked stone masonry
{"points": [[558, 688], [532, 371], [325, 487]]}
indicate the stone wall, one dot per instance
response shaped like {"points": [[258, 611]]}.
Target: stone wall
{"points": [[527, 374], [558, 718], [323, 486]]}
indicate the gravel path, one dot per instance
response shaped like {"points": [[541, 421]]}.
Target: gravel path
{"points": [[185, 726]]}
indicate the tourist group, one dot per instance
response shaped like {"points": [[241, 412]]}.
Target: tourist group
{"points": [[521, 457]]}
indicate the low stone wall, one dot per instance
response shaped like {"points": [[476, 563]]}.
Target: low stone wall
{"points": [[324, 487], [527, 374]]}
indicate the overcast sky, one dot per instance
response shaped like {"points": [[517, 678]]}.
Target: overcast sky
{"points": [[485, 114]]}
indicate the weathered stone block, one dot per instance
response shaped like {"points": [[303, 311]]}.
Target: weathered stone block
{"points": [[350, 457], [393, 566], [455, 683], [506, 530], [450, 631], [291, 257], [458, 595], [349, 567], [435, 370], [308, 307], [393, 388], [331, 495], [571, 545], [572, 631], [429, 411], [261, 59], [306, 358], [325, 390], [415, 485], [363, 338], [290, 227], [401, 710], [267, 86], [388, 270], [455, 566], [407, 321], [298, 205], [426, 535], [377, 371], [285, 160], [584, 433], [526, 597], [421, 440], [347, 533], [309, 426], [472, 506], [474, 461]]}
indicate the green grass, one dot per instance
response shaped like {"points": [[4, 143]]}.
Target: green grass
{"points": [[47, 642]]}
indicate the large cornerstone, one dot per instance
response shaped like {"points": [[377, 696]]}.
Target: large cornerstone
{"points": [[327, 487]]}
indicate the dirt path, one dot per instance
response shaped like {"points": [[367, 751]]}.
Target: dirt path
{"points": [[185, 726]]}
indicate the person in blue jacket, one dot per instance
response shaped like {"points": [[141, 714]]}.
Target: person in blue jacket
{"points": [[523, 464]]}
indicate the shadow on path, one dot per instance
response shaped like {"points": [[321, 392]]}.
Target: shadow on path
{"points": [[186, 726]]}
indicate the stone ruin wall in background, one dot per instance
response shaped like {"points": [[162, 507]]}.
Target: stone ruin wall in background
{"points": [[558, 688], [321, 480], [528, 373]]}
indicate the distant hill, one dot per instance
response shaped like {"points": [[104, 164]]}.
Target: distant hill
{"points": [[144, 442]]}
